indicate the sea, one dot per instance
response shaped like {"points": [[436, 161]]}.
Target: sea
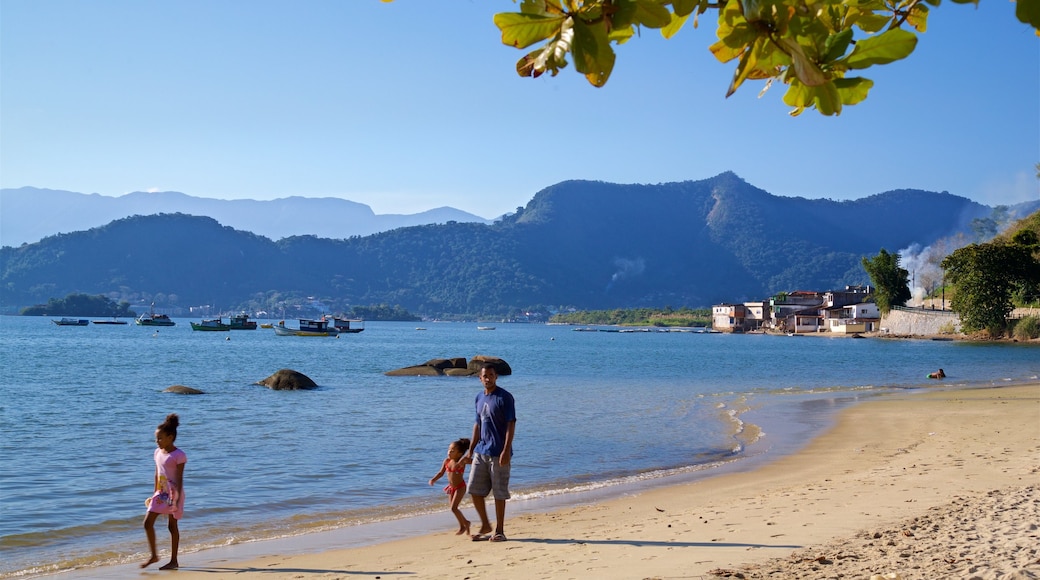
{"points": [[598, 411]]}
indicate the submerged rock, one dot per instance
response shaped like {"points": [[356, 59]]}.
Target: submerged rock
{"points": [[182, 390], [452, 367], [288, 380]]}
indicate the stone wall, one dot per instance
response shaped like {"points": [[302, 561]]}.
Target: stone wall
{"points": [[920, 322]]}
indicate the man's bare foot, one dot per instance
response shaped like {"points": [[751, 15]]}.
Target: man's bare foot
{"points": [[464, 529], [172, 565], [150, 561]]}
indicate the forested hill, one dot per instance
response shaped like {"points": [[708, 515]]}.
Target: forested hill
{"points": [[583, 244]]}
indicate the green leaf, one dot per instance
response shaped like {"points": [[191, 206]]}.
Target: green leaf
{"points": [[884, 48], [1028, 11], [675, 25], [684, 7], [918, 18], [804, 68], [826, 99], [870, 22], [593, 56], [651, 14], [837, 44], [853, 90], [523, 30]]}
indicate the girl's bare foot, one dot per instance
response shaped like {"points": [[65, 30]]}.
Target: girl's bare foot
{"points": [[463, 530], [171, 566], [150, 561]]}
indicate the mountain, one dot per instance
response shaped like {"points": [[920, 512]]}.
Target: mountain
{"points": [[582, 244], [29, 214]]}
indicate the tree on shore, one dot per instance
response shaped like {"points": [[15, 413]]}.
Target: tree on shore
{"points": [[891, 281], [986, 278]]}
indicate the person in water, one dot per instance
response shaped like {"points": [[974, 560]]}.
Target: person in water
{"points": [[168, 495], [455, 465], [939, 374]]}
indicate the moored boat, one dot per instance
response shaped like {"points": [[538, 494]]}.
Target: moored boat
{"points": [[153, 319], [214, 325], [71, 322], [242, 322], [348, 325], [307, 328], [113, 321]]}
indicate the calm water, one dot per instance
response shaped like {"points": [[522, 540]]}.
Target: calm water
{"points": [[79, 405]]}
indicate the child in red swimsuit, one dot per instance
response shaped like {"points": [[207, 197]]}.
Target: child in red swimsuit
{"points": [[455, 465]]}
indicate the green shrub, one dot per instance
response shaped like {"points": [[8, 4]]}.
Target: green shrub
{"points": [[1027, 328]]}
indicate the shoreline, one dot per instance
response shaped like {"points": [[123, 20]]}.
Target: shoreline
{"points": [[884, 462]]}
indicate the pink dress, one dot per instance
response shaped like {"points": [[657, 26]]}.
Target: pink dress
{"points": [[166, 499]]}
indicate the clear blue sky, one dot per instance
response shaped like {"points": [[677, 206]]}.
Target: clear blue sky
{"points": [[415, 104]]}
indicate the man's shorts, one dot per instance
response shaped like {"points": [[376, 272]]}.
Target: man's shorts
{"points": [[486, 476]]}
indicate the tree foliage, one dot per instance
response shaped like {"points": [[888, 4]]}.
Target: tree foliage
{"points": [[815, 47], [79, 305], [986, 277], [891, 287]]}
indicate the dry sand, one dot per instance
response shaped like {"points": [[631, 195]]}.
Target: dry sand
{"points": [[935, 485]]}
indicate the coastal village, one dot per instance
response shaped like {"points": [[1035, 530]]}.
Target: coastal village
{"points": [[848, 311]]}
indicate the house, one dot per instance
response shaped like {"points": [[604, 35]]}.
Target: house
{"points": [[852, 318], [843, 311], [744, 317]]}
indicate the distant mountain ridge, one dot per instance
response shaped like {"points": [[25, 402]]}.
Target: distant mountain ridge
{"points": [[29, 214], [581, 244]]}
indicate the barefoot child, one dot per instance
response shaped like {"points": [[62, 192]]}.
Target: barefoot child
{"points": [[168, 497], [454, 465]]}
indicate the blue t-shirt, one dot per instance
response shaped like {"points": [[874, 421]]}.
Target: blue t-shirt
{"points": [[494, 413]]}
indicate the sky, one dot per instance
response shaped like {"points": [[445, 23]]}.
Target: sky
{"points": [[415, 104]]}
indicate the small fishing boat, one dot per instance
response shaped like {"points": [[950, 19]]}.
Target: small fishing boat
{"points": [[307, 328], [213, 325], [242, 322], [71, 322], [348, 325], [485, 328], [113, 321]]}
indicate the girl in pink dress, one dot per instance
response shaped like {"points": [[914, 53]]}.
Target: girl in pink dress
{"points": [[454, 465], [168, 497]]}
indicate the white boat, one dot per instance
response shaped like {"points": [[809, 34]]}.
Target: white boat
{"points": [[307, 328], [485, 328], [71, 322]]}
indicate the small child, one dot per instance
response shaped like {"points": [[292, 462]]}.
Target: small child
{"points": [[168, 497], [454, 465]]}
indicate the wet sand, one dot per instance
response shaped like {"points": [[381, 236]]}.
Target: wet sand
{"points": [[918, 485]]}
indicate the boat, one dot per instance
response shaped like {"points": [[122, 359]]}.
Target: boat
{"points": [[485, 328], [266, 325], [71, 322], [153, 319], [214, 325], [113, 321], [307, 328], [343, 325], [242, 322]]}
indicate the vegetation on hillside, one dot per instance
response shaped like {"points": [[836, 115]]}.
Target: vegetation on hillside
{"points": [[382, 312], [638, 317], [577, 245], [991, 278], [80, 305]]}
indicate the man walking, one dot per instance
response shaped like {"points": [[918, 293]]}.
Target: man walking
{"points": [[491, 453]]}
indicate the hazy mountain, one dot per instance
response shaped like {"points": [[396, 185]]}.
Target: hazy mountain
{"points": [[29, 214], [578, 243]]}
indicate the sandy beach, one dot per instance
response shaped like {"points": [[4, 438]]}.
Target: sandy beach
{"points": [[942, 484]]}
